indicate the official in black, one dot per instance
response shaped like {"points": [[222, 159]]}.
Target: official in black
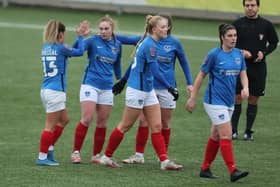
{"points": [[256, 38]]}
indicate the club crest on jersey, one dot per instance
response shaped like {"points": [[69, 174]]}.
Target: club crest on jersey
{"points": [[153, 51], [115, 50], [238, 61], [261, 36], [167, 48]]}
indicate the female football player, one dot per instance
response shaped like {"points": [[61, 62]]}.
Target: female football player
{"points": [[223, 64], [96, 97], [54, 57], [140, 95], [169, 49]]}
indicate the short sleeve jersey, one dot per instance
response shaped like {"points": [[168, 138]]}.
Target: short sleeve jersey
{"points": [[223, 68], [104, 59], [141, 77]]}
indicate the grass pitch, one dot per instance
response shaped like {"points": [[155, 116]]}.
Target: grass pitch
{"points": [[22, 115]]}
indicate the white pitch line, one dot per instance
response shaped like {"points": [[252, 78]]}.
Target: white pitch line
{"points": [[40, 27]]}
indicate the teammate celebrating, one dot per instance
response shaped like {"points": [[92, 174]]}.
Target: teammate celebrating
{"points": [[96, 97], [168, 49], [140, 95], [54, 56]]}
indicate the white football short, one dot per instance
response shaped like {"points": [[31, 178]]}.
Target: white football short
{"points": [[165, 99], [102, 97], [139, 99], [52, 100], [219, 114]]}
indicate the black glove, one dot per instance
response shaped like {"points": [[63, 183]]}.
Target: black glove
{"points": [[118, 87], [174, 92]]}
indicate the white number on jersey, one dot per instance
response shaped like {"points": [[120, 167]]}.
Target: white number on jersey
{"points": [[50, 62]]}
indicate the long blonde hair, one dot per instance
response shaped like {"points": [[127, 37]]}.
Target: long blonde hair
{"points": [[151, 22], [52, 31]]}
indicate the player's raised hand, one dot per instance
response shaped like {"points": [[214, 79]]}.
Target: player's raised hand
{"points": [[84, 28]]}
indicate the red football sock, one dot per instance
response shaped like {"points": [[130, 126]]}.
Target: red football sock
{"points": [[141, 139], [166, 135], [45, 141], [227, 153], [80, 134], [114, 141], [57, 133], [211, 151], [99, 139], [159, 146]]}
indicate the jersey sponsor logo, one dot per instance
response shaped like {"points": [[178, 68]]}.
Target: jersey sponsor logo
{"points": [[153, 51], [167, 48], [163, 59], [105, 59], [229, 72], [221, 63], [261, 36], [99, 47]]}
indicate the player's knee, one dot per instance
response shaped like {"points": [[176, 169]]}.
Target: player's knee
{"points": [[156, 128], [86, 120], [124, 127]]}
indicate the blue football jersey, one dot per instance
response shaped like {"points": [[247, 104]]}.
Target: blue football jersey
{"points": [[141, 77], [54, 58], [128, 40], [168, 50], [104, 60], [223, 68]]}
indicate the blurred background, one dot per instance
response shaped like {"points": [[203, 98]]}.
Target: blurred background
{"points": [[200, 9]]}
